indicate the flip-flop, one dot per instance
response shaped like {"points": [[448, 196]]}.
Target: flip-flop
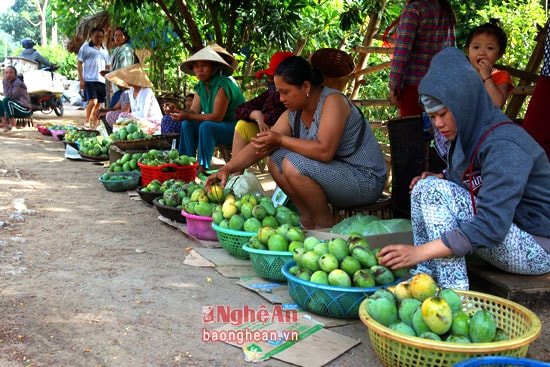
{"points": [[86, 127]]}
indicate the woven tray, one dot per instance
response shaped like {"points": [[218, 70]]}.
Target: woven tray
{"points": [[161, 142], [98, 158]]}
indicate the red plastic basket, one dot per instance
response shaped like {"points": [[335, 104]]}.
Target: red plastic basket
{"points": [[150, 173]]}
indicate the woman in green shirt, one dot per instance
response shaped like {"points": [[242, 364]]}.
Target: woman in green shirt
{"points": [[211, 119]]}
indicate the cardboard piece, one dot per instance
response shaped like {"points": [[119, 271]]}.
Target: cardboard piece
{"points": [[193, 258], [315, 347], [274, 292], [231, 271], [226, 264]]}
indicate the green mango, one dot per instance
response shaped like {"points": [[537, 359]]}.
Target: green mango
{"points": [[382, 310], [483, 327]]}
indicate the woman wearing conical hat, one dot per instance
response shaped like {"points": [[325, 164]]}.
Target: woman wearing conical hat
{"points": [[211, 119], [143, 103]]}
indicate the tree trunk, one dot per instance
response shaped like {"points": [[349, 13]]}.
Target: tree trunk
{"points": [[41, 9], [372, 29], [54, 29]]}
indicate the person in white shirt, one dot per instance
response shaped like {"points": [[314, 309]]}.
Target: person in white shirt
{"points": [[92, 58], [143, 103]]}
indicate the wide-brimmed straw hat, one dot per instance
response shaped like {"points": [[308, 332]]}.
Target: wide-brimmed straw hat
{"points": [[276, 59], [208, 53], [132, 75]]}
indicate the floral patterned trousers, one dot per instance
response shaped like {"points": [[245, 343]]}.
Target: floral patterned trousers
{"points": [[438, 206]]}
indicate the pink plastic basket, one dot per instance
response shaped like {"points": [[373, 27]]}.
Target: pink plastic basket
{"points": [[57, 134], [200, 227]]}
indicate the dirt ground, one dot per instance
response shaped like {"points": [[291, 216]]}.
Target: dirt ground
{"points": [[92, 278]]}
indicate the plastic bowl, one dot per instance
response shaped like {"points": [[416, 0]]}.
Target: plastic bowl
{"points": [[43, 129], [148, 197], [57, 135], [268, 264], [129, 182], [327, 300], [200, 227], [169, 212]]}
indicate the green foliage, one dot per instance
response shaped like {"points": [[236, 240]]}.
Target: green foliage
{"points": [[520, 28], [14, 21], [70, 12], [65, 60], [254, 29]]}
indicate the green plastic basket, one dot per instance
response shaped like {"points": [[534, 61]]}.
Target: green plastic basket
{"points": [[232, 241], [268, 264], [327, 300]]}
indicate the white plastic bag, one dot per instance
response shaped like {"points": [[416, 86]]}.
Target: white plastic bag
{"points": [[247, 183]]}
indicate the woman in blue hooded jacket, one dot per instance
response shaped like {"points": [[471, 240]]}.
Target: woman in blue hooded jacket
{"points": [[494, 198]]}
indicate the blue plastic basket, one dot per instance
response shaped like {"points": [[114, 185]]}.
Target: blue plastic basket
{"points": [[500, 361], [327, 300]]}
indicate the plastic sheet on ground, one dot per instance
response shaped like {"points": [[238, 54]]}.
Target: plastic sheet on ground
{"points": [[369, 225]]}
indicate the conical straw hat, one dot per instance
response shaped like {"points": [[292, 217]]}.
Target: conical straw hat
{"points": [[134, 75], [206, 54], [115, 77], [226, 55]]}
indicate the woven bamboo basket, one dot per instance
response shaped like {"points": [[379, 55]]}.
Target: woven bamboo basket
{"points": [[162, 142], [336, 65]]}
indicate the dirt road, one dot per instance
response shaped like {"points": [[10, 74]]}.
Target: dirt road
{"points": [[92, 278]]}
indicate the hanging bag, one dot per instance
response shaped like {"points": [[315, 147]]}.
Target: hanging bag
{"points": [[391, 29]]}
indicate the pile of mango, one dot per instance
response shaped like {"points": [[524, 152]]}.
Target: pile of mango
{"points": [[283, 238], [95, 145], [130, 131], [340, 262], [108, 176], [419, 308], [126, 163], [155, 157], [249, 213], [73, 136], [174, 192], [203, 203], [60, 127]]}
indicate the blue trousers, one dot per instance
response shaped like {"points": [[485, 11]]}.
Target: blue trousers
{"points": [[114, 98], [204, 136]]}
